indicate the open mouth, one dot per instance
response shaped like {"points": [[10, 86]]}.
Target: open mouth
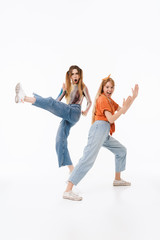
{"points": [[76, 80]]}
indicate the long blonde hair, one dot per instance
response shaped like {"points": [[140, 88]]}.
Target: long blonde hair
{"points": [[81, 85], [100, 91]]}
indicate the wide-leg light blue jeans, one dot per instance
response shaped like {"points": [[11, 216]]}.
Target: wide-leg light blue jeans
{"points": [[98, 137], [70, 114]]}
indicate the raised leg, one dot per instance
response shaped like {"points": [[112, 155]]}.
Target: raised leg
{"points": [[60, 109]]}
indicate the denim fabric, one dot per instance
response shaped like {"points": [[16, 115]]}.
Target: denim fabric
{"points": [[70, 114], [98, 136]]}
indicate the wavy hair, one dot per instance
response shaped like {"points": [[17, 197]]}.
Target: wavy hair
{"points": [[81, 85], [100, 91]]}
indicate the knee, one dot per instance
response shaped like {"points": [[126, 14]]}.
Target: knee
{"points": [[124, 151], [50, 100], [87, 163]]}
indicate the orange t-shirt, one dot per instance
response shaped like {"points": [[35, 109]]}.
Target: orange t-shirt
{"points": [[104, 104]]}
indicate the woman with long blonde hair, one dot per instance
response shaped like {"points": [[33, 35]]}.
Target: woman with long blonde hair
{"points": [[105, 113], [74, 91]]}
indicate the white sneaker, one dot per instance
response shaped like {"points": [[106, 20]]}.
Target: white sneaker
{"points": [[121, 183], [72, 196], [20, 94]]}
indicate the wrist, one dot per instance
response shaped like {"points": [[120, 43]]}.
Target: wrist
{"points": [[123, 110]]}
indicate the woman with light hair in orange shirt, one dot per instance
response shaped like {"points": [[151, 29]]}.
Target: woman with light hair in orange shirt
{"points": [[105, 113]]}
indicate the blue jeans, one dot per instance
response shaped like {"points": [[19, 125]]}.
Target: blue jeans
{"points": [[98, 137], [70, 114]]}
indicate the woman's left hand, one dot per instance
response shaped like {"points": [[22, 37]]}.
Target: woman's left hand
{"points": [[84, 113], [135, 91]]}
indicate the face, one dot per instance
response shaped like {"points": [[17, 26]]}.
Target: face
{"points": [[108, 89], [75, 76]]}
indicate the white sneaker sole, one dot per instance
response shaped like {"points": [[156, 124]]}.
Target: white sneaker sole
{"points": [[121, 184], [72, 199]]}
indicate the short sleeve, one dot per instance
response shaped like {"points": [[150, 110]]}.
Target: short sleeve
{"points": [[104, 105]]}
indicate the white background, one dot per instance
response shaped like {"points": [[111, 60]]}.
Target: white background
{"points": [[39, 41]]}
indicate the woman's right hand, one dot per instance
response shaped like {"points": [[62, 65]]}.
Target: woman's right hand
{"points": [[126, 104]]}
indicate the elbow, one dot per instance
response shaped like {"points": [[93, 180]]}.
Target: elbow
{"points": [[89, 104], [110, 120]]}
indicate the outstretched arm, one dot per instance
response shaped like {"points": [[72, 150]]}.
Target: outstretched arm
{"points": [[126, 105], [134, 95]]}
